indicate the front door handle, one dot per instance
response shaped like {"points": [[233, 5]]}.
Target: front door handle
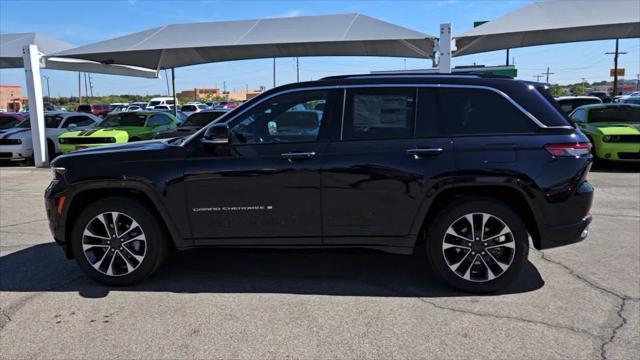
{"points": [[420, 152], [298, 155]]}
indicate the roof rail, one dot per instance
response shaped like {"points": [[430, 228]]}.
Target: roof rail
{"points": [[466, 74]]}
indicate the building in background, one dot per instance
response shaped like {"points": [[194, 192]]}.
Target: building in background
{"points": [[243, 95], [11, 98], [198, 94]]}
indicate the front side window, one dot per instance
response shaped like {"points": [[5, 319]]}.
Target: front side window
{"points": [[158, 120], [123, 119], [578, 115], [52, 121], [379, 114], [468, 111], [202, 119], [286, 118], [78, 121]]}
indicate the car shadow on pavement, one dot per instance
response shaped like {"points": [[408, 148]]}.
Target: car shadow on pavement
{"points": [[313, 272]]}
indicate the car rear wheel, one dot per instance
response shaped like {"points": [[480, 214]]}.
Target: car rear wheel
{"points": [[118, 241], [477, 245]]}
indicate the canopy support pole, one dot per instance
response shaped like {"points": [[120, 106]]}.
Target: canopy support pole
{"points": [[31, 58], [444, 49], [175, 100]]}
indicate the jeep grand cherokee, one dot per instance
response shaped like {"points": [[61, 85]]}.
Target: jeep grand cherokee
{"points": [[467, 166]]}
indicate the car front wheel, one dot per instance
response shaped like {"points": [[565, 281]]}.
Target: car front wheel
{"points": [[118, 241], [478, 245]]}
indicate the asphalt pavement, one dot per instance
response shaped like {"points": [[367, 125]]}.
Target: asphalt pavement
{"points": [[575, 302]]}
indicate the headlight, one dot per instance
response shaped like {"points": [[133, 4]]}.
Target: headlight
{"points": [[57, 172], [62, 140], [611, 138]]}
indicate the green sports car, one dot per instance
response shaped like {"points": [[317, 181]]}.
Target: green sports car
{"points": [[614, 130], [119, 128]]}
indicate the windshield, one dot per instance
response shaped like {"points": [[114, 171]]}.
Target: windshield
{"points": [[202, 118], [615, 114], [123, 119]]}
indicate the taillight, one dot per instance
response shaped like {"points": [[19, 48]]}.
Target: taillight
{"points": [[572, 150]]}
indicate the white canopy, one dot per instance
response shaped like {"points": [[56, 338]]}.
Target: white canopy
{"points": [[554, 22], [11, 47], [197, 43]]}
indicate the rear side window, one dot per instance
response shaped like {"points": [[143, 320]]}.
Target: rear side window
{"points": [[52, 121], [387, 113], [84, 108], [466, 111]]}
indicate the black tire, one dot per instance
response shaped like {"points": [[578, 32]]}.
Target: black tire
{"points": [[455, 212], [155, 246]]}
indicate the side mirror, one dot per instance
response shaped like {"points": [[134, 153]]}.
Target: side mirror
{"points": [[216, 134], [72, 127]]}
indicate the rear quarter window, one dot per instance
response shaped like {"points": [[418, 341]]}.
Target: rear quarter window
{"points": [[468, 111]]}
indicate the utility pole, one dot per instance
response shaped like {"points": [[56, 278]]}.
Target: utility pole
{"points": [[79, 90], [90, 85], [637, 82], [48, 88], [86, 88], [507, 57], [224, 86], [584, 82], [537, 77], [615, 67], [274, 72], [547, 73], [297, 69]]}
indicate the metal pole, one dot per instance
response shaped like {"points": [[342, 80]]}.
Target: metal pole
{"points": [[48, 88], [166, 78], [297, 70], [31, 59], [615, 71], [86, 91], [175, 100], [79, 90], [507, 57], [444, 45], [274, 72]]}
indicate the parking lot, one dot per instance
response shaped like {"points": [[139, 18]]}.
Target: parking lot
{"points": [[575, 302]]}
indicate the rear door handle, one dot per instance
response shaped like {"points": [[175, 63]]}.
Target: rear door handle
{"points": [[298, 155], [420, 152]]}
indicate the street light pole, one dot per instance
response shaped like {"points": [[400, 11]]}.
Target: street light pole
{"points": [[48, 88]]}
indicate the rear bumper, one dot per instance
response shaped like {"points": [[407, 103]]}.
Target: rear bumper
{"points": [[554, 236]]}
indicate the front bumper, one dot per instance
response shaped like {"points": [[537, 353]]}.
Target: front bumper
{"points": [[15, 152], [53, 196], [65, 148], [618, 151]]}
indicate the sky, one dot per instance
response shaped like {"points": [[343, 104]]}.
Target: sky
{"points": [[85, 22]]}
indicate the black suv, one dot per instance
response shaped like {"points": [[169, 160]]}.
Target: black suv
{"points": [[467, 166]]}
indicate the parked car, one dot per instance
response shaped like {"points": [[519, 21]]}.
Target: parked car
{"points": [[160, 101], [114, 105], [226, 105], [141, 104], [469, 166], [9, 120], [119, 108], [632, 100], [192, 108], [603, 95], [16, 143], [569, 103], [622, 98], [181, 116], [97, 110], [134, 108], [119, 128], [193, 123], [613, 129]]}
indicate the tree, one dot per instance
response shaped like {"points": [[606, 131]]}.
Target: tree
{"points": [[557, 90]]}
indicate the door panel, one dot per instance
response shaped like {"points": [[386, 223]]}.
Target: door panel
{"points": [[255, 192], [264, 187]]}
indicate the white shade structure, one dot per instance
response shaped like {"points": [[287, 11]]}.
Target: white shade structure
{"points": [[554, 22], [11, 56], [179, 45]]}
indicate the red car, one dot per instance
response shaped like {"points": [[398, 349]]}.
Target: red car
{"points": [[97, 110], [10, 119]]}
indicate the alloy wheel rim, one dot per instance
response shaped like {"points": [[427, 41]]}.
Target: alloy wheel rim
{"points": [[478, 247], [114, 243]]}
